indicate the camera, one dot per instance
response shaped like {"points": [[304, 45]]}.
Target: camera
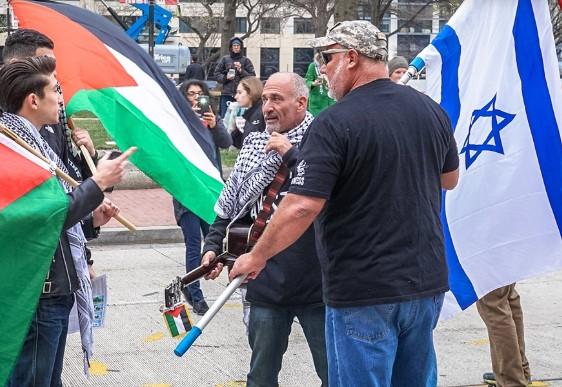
{"points": [[203, 103]]}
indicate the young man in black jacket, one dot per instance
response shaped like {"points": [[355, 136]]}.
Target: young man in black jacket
{"points": [[230, 70], [291, 283], [30, 99]]}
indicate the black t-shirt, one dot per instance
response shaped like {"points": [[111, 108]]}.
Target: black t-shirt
{"points": [[292, 277], [377, 157]]}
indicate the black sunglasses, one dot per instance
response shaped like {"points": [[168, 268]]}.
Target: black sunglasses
{"points": [[326, 55]]}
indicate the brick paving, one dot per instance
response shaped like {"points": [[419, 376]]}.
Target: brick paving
{"points": [[143, 207]]}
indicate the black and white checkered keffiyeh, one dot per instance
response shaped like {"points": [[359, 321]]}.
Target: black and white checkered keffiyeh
{"points": [[63, 120], [253, 171], [84, 301]]}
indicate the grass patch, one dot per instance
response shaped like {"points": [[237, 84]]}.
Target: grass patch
{"points": [[97, 131], [228, 157], [99, 136]]}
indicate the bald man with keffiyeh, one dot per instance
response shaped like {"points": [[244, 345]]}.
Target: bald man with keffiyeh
{"points": [[290, 285]]}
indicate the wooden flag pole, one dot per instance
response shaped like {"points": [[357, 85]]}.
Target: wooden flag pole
{"points": [[10, 134], [84, 151]]}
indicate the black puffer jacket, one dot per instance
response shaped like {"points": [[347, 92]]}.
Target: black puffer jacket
{"points": [[227, 62], [254, 123]]}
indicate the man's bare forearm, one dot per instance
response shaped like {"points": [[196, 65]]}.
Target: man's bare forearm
{"points": [[293, 217]]}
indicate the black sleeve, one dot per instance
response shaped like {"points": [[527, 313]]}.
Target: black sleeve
{"points": [[221, 137], [237, 138], [247, 69], [319, 162], [452, 157], [83, 200], [90, 232], [215, 236], [220, 71], [290, 157]]}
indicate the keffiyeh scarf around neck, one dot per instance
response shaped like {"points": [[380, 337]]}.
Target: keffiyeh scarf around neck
{"points": [[84, 302], [253, 171]]}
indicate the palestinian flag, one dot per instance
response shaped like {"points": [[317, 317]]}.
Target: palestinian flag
{"points": [[105, 72], [177, 320], [33, 209]]}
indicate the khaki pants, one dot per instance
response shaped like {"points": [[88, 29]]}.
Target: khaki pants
{"points": [[501, 312]]}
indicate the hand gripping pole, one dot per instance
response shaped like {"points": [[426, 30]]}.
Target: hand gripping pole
{"points": [[197, 329]]}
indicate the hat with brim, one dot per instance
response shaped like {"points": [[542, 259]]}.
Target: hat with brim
{"points": [[323, 41], [360, 35]]}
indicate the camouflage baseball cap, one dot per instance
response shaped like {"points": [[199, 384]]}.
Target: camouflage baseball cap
{"points": [[360, 35]]}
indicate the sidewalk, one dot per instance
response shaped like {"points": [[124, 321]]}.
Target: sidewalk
{"points": [[150, 210]]}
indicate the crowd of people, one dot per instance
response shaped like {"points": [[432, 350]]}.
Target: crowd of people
{"points": [[336, 254]]}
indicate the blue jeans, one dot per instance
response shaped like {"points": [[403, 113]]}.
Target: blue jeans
{"points": [[269, 330], [191, 226], [223, 106], [41, 358], [383, 345]]}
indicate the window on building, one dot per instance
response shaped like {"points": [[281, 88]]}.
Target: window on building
{"points": [[410, 45], [302, 25], [241, 25], [270, 25], [302, 57], [269, 58], [422, 21], [201, 23], [184, 26], [364, 13]]}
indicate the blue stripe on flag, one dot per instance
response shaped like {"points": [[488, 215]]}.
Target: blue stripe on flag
{"points": [[538, 105], [448, 45]]}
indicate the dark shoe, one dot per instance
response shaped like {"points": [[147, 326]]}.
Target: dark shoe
{"points": [[187, 296], [200, 308], [489, 378]]}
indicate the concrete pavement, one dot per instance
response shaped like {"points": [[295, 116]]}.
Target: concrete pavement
{"points": [[134, 349]]}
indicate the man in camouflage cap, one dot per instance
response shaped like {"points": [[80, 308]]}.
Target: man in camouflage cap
{"points": [[359, 35], [370, 172]]}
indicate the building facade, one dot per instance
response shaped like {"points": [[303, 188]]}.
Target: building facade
{"points": [[282, 41]]}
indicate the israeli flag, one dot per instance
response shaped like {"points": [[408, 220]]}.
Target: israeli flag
{"points": [[493, 68]]}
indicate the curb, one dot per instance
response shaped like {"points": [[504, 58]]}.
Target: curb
{"points": [[147, 235]]}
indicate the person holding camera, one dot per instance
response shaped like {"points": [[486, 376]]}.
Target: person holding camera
{"points": [[197, 94], [230, 70]]}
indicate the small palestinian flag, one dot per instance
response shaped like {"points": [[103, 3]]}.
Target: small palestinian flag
{"points": [[102, 70], [178, 320], [33, 208]]}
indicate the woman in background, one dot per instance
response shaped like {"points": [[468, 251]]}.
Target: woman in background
{"points": [[248, 95], [191, 225]]}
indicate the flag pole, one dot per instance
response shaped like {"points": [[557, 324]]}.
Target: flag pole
{"points": [[10, 134], [415, 67], [85, 152], [197, 329]]}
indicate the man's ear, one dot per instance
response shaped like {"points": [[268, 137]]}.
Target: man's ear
{"points": [[31, 101], [353, 59], [302, 102]]}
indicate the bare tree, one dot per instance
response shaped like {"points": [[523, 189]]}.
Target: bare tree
{"points": [[228, 24], [345, 10], [556, 17], [320, 10], [206, 28], [409, 15]]}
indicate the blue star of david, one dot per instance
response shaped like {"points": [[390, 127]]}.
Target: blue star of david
{"points": [[499, 120]]}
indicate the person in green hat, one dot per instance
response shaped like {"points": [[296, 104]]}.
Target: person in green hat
{"points": [[318, 98]]}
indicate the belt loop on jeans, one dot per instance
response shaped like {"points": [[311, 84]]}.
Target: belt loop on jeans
{"points": [[47, 287]]}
